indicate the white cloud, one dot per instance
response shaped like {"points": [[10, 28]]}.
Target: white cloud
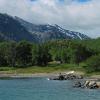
{"points": [[82, 17]]}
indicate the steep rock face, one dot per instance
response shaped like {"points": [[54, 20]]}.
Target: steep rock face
{"points": [[51, 32], [11, 29]]}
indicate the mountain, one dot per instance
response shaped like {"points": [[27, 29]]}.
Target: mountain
{"points": [[15, 28], [11, 29], [50, 32]]}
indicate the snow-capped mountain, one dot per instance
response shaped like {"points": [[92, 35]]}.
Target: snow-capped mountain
{"points": [[51, 32], [15, 28]]}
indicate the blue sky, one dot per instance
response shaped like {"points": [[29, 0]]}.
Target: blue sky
{"points": [[73, 0], [82, 0], [77, 15]]}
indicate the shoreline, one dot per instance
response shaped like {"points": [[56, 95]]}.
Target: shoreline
{"points": [[28, 75], [46, 75], [32, 75]]}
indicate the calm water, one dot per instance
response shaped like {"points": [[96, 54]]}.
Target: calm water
{"points": [[42, 89]]}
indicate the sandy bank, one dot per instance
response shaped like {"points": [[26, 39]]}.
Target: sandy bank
{"points": [[28, 75]]}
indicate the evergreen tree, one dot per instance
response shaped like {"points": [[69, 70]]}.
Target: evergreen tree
{"points": [[8, 53], [24, 53], [41, 55]]}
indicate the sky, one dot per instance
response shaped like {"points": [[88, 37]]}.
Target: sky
{"points": [[76, 15]]}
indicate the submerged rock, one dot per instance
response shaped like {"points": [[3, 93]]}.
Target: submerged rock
{"points": [[77, 84]]}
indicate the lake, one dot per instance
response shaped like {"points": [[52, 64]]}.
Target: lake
{"points": [[42, 89]]}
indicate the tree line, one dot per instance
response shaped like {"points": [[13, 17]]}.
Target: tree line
{"points": [[25, 54]]}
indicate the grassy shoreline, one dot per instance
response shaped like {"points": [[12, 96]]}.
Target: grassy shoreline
{"points": [[40, 69], [51, 69]]}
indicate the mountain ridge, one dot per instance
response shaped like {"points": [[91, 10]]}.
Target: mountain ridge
{"points": [[49, 29], [15, 28]]}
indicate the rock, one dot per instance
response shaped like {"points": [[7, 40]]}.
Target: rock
{"points": [[91, 84], [98, 84], [54, 78], [86, 84], [73, 76], [77, 84], [61, 77], [70, 76], [80, 77]]}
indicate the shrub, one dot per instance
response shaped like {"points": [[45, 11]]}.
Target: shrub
{"points": [[93, 63]]}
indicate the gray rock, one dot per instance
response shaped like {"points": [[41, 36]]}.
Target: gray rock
{"points": [[91, 85], [67, 77], [77, 84]]}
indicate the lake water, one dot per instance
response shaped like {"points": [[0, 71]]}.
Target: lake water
{"points": [[42, 89]]}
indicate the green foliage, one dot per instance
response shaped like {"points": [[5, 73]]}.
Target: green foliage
{"points": [[93, 44], [7, 53], [41, 55], [93, 63], [69, 51], [24, 53]]}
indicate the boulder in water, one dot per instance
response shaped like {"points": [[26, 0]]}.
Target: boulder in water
{"points": [[77, 84], [92, 85]]}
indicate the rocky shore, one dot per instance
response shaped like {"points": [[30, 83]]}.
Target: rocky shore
{"points": [[79, 80], [67, 76], [89, 84]]}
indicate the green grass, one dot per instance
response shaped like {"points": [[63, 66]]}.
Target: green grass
{"points": [[92, 74], [52, 67], [7, 70]]}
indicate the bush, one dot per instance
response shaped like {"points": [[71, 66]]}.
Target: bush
{"points": [[93, 64]]}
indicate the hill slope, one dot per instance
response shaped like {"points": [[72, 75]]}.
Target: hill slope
{"points": [[15, 28], [51, 32], [11, 29]]}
